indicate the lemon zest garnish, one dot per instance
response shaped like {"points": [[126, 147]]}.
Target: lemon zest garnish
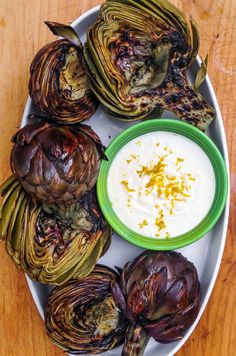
{"points": [[190, 177], [167, 235], [171, 178], [138, 143], [159, 222], [178, 159], [158, 144], [132, 157], [158, 168], [128, 202], [142, 224], [173, 188], [126, 185], [172, 203]]}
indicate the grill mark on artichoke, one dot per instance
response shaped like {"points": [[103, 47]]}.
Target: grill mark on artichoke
{"points": [[130, 67]]}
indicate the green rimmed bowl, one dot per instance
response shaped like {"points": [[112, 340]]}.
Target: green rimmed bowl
{"points": [[221, 180]]}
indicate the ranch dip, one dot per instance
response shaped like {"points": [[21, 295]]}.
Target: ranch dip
{"points": [[161, 184]]}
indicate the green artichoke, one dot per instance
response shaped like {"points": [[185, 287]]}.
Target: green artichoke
{"points": [[81, 316], [159, 294], [58, 83], [137, 53], [56, 164], [52, 243]]}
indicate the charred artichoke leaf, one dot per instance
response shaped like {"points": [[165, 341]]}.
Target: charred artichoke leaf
{"points": [[7, 189], [195, 41], [52, 243], [167, 14], [8, 208], [201, 74], [137, 54], [81, 315], [168, 329], [20, 202], [5, 185], [64, 31], [159, 293], [16, 233]]}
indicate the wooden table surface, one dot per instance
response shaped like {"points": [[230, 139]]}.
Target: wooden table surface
{"points": [[22, 33]]}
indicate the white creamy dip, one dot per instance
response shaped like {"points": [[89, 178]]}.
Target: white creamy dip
{"points": [[161, 184]]}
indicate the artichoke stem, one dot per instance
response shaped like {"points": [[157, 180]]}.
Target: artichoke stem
{"points": [[135, 341]]}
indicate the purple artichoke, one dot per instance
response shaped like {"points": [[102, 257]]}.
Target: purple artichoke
{"points": [[159, 294], [58, 83], [56, 164]]}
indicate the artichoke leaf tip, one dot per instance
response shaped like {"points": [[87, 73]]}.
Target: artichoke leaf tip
{"points": [[64, 31]]}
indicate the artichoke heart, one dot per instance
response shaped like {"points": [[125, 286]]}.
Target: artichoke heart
{"points": [[58, 83], [52, 243], [73, 81], [81, 315], [137, 54]]}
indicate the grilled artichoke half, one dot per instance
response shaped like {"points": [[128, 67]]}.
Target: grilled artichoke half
{"points": [[137, 53], [81, 316], [58, 83], [52, 243], [159, 294], [56, 164]]}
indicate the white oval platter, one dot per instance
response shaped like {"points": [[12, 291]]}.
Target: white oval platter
{"points": [[206, 253]]}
